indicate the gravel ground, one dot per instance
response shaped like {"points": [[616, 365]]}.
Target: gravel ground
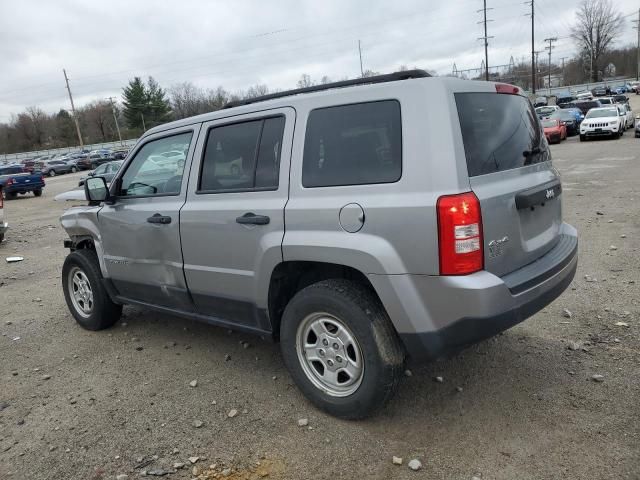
{"points": [[81, 405]]}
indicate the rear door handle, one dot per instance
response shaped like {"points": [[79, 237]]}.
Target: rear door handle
{"points": [[251, 218], [157, 218]]}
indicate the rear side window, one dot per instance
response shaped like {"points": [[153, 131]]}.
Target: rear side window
{"points": [[500, 132], [243, 156], [353, 145]]}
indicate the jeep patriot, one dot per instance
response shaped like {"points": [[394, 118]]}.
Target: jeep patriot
{"points": [[360, 224]]}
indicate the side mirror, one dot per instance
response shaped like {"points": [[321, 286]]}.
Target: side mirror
{"points": [[95, 190]]}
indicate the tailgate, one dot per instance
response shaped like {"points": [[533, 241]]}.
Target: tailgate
{"points": [[510, 171], [25, 179]]}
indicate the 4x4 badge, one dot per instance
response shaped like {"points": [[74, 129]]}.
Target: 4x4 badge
{"points": [[496, 247], [550, 193]]}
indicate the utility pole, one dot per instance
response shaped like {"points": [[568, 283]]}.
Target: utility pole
{"points": [[73, 110], [550, 47], [485, 38], [360, 53], [115, 117], [637, 27], [533, 50]]}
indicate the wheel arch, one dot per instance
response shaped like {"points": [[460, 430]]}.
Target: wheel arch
{"points": [[289, 277]]}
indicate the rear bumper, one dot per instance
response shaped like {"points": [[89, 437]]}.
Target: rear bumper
{"points": [[437, 315], [20, 188]]}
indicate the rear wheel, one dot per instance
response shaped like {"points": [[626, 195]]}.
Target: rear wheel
{"points": [[74, 169], [37, 193], [10, 195], [86, 297], [340, 348]]}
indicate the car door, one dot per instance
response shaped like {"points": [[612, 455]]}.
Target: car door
{"points": [[232, 225], [140, 232]]}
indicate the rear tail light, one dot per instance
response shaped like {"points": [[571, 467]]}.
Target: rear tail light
{"points": [[460, 234], [10, 181], [508, 89], [42, 179]]}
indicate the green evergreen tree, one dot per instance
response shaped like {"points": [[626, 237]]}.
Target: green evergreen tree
{"points": [[135, 102], [159, 107]]}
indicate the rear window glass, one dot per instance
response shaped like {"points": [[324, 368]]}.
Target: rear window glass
{"points": [[500, 132], [353, 145]]}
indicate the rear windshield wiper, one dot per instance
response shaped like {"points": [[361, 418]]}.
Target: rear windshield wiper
{"points": [[528, 154], [533, 151]]}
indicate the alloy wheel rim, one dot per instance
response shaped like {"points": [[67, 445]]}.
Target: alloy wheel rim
{"points": [[81, 292], [329, 354]]}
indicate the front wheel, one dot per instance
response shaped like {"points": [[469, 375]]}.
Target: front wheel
{"points": [[86, 297], [52, 173], [74, 169], [341, 349], [583, 138]]}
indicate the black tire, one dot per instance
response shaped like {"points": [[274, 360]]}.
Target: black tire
{"points": [[104, 312], [74, 169], [11, 195], [358, 308], [52, 173], [1, 237], [37, 193], [583, 138]]}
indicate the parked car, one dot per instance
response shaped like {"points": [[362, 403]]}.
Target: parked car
{"points": [[554, 130], [562, 100], [576, 112], [637, 129], [606, 101], [620, 99], [4, 226], [119, 154], [14, 181], [541, 102], [92, 161], [600, 91], [628, 114], [28, 165], [584, 95], [586, 105], [53, 167], [602, 122], [354, 283], [106, 171], [545, 112], [568, 120]]}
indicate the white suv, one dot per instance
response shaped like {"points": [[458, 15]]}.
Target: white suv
{"points": [[600, 122]]}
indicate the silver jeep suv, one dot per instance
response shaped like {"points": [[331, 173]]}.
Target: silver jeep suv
{"points": [[359, 223]]}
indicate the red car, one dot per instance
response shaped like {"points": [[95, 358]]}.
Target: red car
{"points": [[554, 130]]}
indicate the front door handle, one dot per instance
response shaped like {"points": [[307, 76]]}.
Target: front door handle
{"points": [[251, 218], [157, 218]]}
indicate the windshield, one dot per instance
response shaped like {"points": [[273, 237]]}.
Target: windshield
{"points": [[549, 123], [605, 112], [500, 132]]}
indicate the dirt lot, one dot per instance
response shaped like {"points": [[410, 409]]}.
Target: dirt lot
{"points": [[82, 405]]}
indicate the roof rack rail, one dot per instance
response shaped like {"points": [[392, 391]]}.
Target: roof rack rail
{"points": [[390, 77]]}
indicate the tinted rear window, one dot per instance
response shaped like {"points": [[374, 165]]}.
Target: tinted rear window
{"points": [[500, 132], [353, 145]]}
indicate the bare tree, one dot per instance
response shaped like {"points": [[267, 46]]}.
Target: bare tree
{"points": [[598, 24], [305, 81]]}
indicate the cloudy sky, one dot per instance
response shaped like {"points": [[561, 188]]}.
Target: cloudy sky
{"points": [[239, 43]]}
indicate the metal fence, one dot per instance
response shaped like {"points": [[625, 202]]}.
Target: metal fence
{"points": [[612, 83], [16, 157]]}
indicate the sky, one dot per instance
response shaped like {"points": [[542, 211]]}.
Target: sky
{"points": [[239, 43]]}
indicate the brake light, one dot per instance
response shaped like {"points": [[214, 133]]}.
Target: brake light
{"points": [[508, 89], [42, 179], [10, 181], [460, 234]]}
